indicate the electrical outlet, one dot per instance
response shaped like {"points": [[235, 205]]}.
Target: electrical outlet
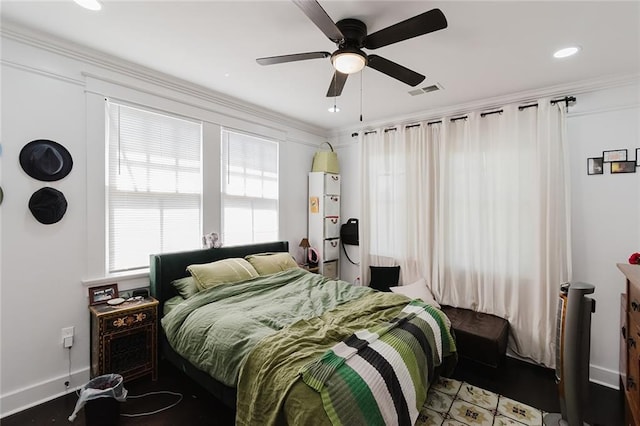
{"points": [[67, 336]]}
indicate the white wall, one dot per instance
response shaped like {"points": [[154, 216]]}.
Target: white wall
{"points": [[51, 90], [349, 158], [605, 209], [605, 212]]}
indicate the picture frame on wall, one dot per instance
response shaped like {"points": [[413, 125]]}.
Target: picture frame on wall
{"points": [[595, 166], [102, 294], [623, 167], [614, 155]]}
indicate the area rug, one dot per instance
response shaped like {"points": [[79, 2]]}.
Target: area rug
{"points": [[454, 403]]}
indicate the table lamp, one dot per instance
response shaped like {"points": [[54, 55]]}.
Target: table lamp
{"points": [[305, 245]]}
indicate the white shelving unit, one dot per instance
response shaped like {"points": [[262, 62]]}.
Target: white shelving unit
{"points": [[324, 220]]}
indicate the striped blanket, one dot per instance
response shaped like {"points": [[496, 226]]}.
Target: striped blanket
{"points": [[381, 376]]}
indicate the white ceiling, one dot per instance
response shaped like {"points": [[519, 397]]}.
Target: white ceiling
{"points": [[489, 49]]}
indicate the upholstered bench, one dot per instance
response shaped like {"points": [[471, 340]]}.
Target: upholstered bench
{"points": [[480, 337]]}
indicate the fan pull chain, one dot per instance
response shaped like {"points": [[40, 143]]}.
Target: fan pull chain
{"points": [[335, 96], [361, 72]]}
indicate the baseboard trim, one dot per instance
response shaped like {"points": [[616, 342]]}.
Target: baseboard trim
{"points": [[604, 376], [599, 375], [22, 399]]}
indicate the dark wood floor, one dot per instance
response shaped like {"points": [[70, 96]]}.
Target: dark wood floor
{"points": [[535, 386], [518, 380]]}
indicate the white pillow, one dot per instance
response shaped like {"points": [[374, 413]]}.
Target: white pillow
{"points": [[417, 290]]}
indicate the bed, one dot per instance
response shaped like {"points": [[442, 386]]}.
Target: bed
{"points": [[317, 329]]}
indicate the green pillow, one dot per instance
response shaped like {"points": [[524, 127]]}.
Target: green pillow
{"points": [[224, 271], [186, 286], [270, 263]]}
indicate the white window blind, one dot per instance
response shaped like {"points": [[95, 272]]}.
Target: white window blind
{"points": [[249, 189], [154, 185]]}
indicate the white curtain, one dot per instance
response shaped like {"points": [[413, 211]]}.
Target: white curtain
{"points": [[479, 207], [399, 169]]}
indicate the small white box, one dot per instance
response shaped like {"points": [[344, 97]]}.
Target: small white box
{"points": [[331, 205], [332, 227], [331, 184], [330, 269], [331, 249]]}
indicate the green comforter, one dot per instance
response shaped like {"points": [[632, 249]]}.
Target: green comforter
{"points": [[275, 364], [216, 329]]}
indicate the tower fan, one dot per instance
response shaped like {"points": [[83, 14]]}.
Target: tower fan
{"points": [[573, 342]]}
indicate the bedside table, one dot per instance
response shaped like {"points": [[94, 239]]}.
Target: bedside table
{"points": [[124, 339], [313, 269]]}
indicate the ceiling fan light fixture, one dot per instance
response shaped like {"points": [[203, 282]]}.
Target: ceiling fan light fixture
{"points": [[348, 62], [334, 109]]}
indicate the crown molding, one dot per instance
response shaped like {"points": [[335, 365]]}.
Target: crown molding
{"points": [[31, 37], [575, 88], [41, 72], [604, 110]]}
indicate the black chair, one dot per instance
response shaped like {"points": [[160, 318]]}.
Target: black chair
{"points": [[383, 277]]}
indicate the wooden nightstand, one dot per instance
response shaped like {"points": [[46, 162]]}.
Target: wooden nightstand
{"points": [[314, 269], [124, 339]]}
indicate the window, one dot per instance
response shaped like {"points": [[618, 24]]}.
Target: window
{"points": [[249, 189], [386, 193], [154, 185]]}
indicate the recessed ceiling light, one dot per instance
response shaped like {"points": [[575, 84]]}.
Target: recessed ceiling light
{"points": [[567, 51], [89, 4], [334, 109]]}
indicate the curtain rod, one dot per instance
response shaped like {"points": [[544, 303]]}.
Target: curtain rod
{"points": [[567, 100], [484, 114], [520, 108]]}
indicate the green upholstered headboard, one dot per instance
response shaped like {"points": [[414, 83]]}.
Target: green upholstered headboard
{"points": [[164, 268]]}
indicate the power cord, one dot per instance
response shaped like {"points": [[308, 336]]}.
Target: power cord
{"points": [[347, 254], [68, 382], [156, 411]]}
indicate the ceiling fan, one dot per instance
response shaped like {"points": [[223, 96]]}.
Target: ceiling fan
{"points": [[350, 36]]}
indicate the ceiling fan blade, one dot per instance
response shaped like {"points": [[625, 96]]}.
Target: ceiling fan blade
{"points": [[424, 23], [292, 58], [394, 70], [337, 84], [318, 16]]}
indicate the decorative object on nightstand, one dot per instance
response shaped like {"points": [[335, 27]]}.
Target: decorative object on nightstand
{"points": [[124, 338], [103, 294], [304, 243]]}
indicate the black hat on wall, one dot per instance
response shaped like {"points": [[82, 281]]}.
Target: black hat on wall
{"points": [[45, 160], [48, 205]]}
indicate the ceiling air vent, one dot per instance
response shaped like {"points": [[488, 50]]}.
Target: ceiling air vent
{"points": [[426, 89]]}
